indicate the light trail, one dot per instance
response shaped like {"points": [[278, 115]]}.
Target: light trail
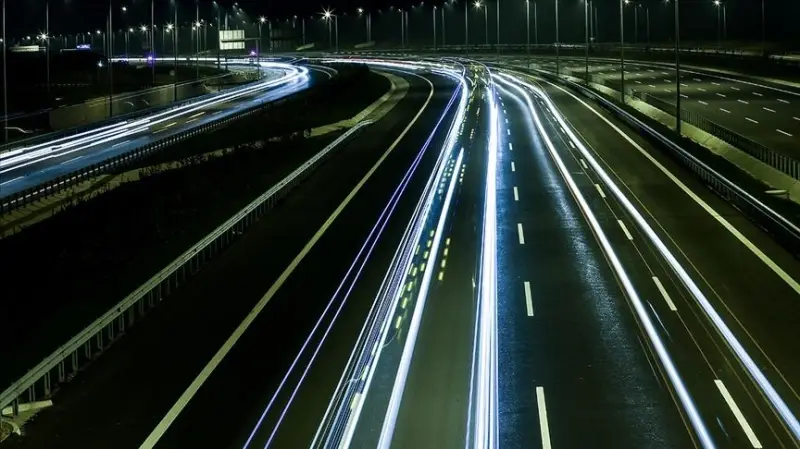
{"points": [[780, 407], [22, 157], [685, 398], [355, 270], [338, 427], [483, 417]]}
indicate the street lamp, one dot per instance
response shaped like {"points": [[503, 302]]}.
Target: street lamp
{"points": [[261, 21], [328, 16], [719, 6], [479, 5], [124, 9]]}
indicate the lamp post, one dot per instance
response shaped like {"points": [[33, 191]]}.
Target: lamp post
{"points": [[46, 38], [677, 70], [433, 16], [127, 38], [479, 5], [586, 36], [622, 4], [498, 26], [558, 61], [763, 29], [718, 3], [466, 23], [261, 21], [5, 79], [528, 27]]}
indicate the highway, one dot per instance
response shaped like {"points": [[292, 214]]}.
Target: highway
{"points": [[29, 166], [703, 356], [766, 112], [498, 263], [295, 258]]}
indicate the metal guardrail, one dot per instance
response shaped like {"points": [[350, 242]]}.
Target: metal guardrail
{"points": [[53, 186], [786, 164], [783, 230], [66, 361]]}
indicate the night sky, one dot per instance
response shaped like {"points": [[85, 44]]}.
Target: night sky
{"points": [[698, 18]]}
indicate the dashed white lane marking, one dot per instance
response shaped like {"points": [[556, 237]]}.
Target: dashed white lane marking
{"points": [[684, 96], [571, 145], [698, 80], [742, 101], [625, 230], [637, 82], [583, 162], [516, 193], [664, 294], [684, 85], [510, 147], [701, 89], [508, 131], [725, 110], [738, 414], [702, 102], [651, 86], [796, 118], [528, 298], [783, 101], [721, 95], [544, 428], [513, 166], [768, 109], [751, 120], [757, 94], [735, 88], [783, 132], [716, 84], [667, 81], [520, 234], [600, 190]]}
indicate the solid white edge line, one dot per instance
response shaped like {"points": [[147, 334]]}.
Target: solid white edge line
{"points": [[751, 435], [528, 298], [794, 285], [664, 294], [544, 427], [625, 230], [520, 234], [171, 415]]}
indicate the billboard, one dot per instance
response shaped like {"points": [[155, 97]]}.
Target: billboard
{"points": [[231, 40]]}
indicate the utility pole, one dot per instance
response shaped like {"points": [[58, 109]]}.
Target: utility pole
{"points": [[5, 78], [677, 70], [622, 49]]}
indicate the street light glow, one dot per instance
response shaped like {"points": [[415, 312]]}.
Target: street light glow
{"points": [[124, 8], [42, 36], [143, 28], [169, 27], [262, 19], [717, 2], [360, 10], [98, 31]]}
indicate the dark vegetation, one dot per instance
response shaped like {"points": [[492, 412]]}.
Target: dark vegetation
{"points": [[62, 273]]}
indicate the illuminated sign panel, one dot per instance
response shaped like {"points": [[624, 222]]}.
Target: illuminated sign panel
{"points": [[231, 40]]}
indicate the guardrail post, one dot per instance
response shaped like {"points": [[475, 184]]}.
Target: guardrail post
{"points": [[32, 393], [46, 385], [62, 372], [74, 360], [87, 350], [99, 341]]}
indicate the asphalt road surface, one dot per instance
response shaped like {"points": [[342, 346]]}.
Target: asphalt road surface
{"points": [[82, 150], [121, 399], [765, 112], [734, 277]]}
